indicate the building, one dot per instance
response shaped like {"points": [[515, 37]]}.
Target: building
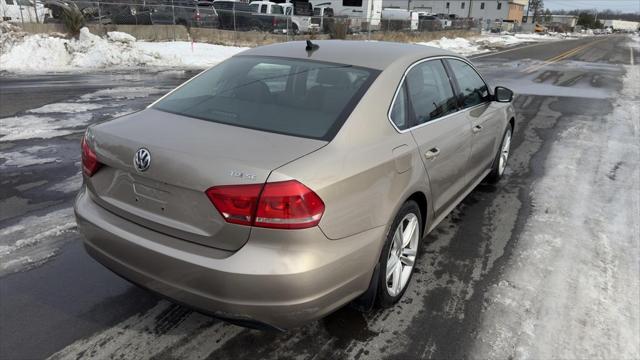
{"points": [[567, 20], [559, 23], [512, 10], [622, 25]]}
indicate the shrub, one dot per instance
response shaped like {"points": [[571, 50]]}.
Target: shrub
{"points": [[72, 19], [338, 28]]}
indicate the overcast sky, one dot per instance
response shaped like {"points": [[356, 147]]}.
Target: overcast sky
{"points": [[622, 5]]}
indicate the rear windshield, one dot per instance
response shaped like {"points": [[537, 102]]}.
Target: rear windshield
{"points": [[288, 96]]}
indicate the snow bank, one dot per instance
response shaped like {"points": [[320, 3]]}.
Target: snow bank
{"points": [[20, 52], [460, 46], [487, 42]]}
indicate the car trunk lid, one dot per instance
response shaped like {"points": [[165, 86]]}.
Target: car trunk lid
{"points": [[188, 156]]}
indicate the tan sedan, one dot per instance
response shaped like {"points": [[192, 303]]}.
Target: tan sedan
{"points": [[291, 179]]}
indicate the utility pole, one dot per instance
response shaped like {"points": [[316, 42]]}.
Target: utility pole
{"points": [[470, 5]]}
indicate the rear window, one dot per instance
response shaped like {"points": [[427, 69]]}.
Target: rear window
{"points": [[288, 96]]}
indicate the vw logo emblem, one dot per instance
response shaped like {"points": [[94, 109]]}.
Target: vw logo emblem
{"points": [[142, 159]]}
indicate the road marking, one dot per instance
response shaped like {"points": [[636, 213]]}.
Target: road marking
{"points": [[631, 54], [562, 56], [506, 51]]}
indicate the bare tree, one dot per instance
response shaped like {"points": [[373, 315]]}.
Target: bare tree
{"points": [[537, 8]]}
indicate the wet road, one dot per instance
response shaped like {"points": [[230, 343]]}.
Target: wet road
{"points": [[55, 300]]}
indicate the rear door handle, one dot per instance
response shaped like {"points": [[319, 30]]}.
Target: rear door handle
{"points": [[432, 154], [476, 129]]}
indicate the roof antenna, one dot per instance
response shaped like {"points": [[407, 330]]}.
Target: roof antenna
{"points": [[311, 46]]}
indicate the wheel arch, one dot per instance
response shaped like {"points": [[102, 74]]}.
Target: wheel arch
{"points": [[421, 199]]}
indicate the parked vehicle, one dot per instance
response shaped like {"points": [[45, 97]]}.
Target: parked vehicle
{"points": [[183, 12], [431, 23], [400, 19], [300, 13], [323, 17], [22, 11], [233, 15], [292, 179], [362, 13]]}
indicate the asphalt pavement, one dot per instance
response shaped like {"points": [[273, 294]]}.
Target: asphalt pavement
{"points": [[55, 300]]}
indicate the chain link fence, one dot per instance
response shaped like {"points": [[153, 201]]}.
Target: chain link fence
{"points": [[277, 21]]}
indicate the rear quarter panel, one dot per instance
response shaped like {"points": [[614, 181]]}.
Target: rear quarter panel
{"points": [[358, 175]]}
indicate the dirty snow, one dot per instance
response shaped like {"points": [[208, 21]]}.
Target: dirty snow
{"points": [[27, 157], [44, 127], [487, 42], [21, 52], [120, 93], [66, 108], [164, 331], [571, 289], [34, 239]]}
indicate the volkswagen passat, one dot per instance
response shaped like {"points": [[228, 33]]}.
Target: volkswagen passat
{"points": [[291, 179]]}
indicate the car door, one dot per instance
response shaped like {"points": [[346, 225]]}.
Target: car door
{"points": [[427, 107], [481, 113]]}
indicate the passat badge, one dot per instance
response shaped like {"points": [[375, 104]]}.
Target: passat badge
{"points": [[142, 159]]}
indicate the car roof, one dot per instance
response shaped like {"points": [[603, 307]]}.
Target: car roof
{"points": [[371, 54]]}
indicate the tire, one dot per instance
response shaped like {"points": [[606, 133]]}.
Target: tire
{"points": [[393, 283], [501, 158]]}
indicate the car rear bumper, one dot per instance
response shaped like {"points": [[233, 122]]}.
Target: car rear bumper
{"points": [[279, 278]]}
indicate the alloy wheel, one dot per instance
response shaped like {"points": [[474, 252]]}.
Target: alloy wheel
{"points": [[402, 254], [504, 152]]}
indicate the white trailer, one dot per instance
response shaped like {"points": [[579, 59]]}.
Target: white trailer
{"points": [[412, 17], [369, 11], [622, 25]]}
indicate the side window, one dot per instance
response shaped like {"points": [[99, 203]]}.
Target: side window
{"points": [[430, 92], [9, 2], [473, 89], [263, 9], [399, 110], [254, 7]]}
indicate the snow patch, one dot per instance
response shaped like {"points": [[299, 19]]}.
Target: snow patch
{"points": [[118, 36], [66, 108], [34, 240], [119, 93], [485, 42], [460, 46], [26, 157], [44, 127]]}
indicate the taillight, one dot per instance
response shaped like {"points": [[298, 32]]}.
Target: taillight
{"points": [[90, 162], [236, 203], [280, 205]]}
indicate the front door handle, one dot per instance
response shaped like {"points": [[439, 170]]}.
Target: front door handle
{"points": [[432, 154], [476, 129]]}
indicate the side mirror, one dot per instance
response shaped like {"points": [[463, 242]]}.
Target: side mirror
{"points": [[502, 94]]}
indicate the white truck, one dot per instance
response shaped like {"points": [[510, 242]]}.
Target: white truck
{"points": [[299, 17]]}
